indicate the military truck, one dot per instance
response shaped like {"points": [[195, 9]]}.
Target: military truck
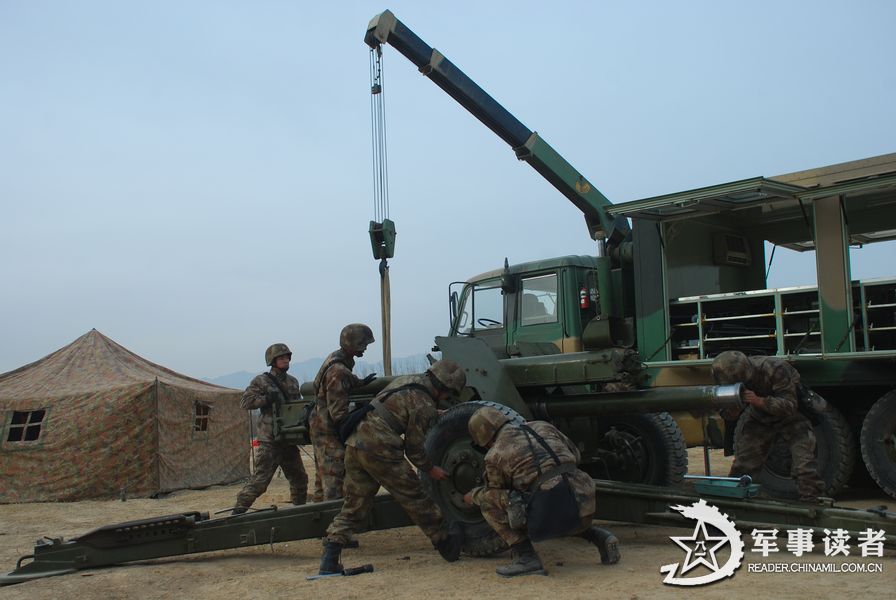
{"points": [[685, 282]]}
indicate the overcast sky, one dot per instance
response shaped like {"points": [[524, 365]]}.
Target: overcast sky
{"points": [[193, 178]]}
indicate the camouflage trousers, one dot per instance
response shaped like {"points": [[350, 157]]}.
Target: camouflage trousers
{"points": [[493, 503], [364, 474], [329, 458], [756, 440], [268, 456]]}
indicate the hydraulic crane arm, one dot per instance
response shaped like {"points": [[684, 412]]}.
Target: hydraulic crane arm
{"points": [[528, 145]]}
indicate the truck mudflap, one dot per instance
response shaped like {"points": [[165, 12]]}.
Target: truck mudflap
{"points": [[191, 533]]}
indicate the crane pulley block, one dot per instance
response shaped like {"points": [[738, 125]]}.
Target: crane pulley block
{"points": [[382, 239]]}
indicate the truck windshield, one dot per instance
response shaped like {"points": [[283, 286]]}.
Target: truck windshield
{"points": [[485, 311]]}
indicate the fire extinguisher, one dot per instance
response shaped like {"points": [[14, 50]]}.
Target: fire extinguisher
{"points": [[584, 299]]}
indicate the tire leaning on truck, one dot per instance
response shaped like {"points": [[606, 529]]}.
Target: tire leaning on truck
{"points": [[878, 442], [835, 451]]}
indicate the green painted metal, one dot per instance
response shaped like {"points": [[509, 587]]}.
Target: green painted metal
{"points": [[193, 533], [385, 28], [190, 533], [690, 398], [832, 266], [650, 504], [484, 373], [382, 239], [572, 184]]}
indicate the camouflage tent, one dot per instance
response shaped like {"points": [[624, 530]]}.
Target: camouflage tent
{"points": [[93, 420]]}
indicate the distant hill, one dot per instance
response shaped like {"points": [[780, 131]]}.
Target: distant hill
{"points": [[307, 369]]}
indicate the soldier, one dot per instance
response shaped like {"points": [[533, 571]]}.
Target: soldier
{"points": [[262, 392], [532, 486], [772, 388], [331, 386], [375, 455]]}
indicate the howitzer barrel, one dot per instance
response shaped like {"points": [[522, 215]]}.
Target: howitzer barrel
{"points": [[698, 397]]}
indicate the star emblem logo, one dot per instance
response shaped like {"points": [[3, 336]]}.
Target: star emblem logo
{"points": [[701, 548]]}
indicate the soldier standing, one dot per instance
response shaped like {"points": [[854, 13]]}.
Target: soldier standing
{"points": [[772, 389], [263, 391], [525, 459], [375, 455], [331, 386]]}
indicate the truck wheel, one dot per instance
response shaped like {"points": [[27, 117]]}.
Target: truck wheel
{"points": [[448, 445], [878, 439], [641, 448], [834, 452]]}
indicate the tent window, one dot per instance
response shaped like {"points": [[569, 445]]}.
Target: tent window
{"points": [[200, 422], [25, 426]]}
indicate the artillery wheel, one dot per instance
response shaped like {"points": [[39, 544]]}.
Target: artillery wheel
{"points": [[448, 445], [834, 452], [644, 448], [878, 441]]}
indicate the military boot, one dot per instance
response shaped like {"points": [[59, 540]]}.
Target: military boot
{"points": [[238, 510], [607, 543], [524, 561], [329, 562], [449, 546]]}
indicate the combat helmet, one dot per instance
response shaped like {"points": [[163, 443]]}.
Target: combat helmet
{"points": [[731, 366], [355, 337], [274, 352], [447, 376], [485, 424]]}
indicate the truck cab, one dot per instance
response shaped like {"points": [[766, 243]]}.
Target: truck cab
{"points": [[535, 308]]}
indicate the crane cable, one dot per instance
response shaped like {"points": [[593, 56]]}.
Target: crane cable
{"points": [[381, 198], [378, 137]]}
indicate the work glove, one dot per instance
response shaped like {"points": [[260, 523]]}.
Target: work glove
{"points": [[368, 379]]}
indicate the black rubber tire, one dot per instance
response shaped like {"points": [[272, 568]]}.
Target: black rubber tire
{"points": [[450, 436], [878, 442], [835, 452], [663, 454]]}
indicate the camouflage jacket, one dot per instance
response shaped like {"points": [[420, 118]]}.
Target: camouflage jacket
{"points": [[414, 410], [778, 382], [510, 464], [332, 383], [259, 394]]}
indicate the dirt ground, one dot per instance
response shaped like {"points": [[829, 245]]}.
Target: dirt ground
{"points": [[405, 564]]}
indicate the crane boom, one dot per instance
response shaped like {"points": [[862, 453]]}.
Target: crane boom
{"points": [[527, 144]]}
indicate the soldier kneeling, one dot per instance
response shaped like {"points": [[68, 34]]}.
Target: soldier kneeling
{"points": [[533, 489]]}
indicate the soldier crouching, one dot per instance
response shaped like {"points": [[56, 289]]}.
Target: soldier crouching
{"points": [[533, 489], [772, 391]]}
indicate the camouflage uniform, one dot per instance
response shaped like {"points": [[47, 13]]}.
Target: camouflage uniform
{"points": [[375, 455], [778, 383], [332, 384], [510, 464], [270, 454]]}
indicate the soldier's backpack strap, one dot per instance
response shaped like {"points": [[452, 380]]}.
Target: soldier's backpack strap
{"points": [[559, 469], [277, 383], [553, 512], [387, 415], [318, 381]]}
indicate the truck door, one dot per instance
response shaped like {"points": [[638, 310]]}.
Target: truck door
{"points": [[537, 330], [480, 314]]}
